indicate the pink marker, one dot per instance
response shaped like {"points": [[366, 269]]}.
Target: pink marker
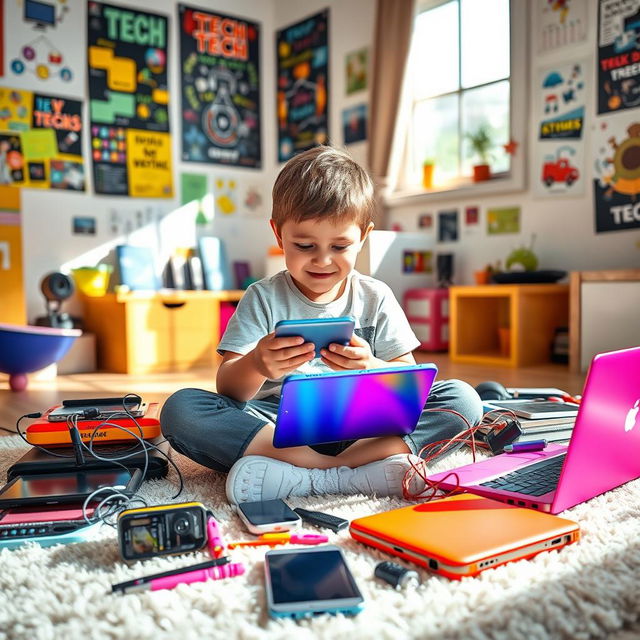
{"points": [[216, 546], [171, 581]]}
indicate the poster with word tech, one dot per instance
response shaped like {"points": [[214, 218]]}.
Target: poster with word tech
{"points": [[40, 141], [220, 70], [129, 101], [302, 54]]}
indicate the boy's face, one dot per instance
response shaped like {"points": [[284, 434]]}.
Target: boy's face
{"points": [[320, 254]]}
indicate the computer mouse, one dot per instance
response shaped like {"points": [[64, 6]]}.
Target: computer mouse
{"points": [[492, 390]]}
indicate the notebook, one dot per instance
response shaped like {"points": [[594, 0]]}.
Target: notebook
{"points": [[349, 405], [602, 453], [463, 535]]}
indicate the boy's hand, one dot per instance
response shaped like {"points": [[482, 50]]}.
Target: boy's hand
{"points": [[275, 357], [356, 355]]}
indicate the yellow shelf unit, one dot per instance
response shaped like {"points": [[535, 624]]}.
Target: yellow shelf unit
{"points": [[506, 325]]}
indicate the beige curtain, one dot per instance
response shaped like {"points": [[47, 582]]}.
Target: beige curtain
{"points": [[394, 23]]}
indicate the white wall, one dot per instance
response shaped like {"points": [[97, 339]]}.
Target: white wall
{"points": [[564, 226]]}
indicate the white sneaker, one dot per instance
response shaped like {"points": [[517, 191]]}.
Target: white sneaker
{"points": [[257, 478]]}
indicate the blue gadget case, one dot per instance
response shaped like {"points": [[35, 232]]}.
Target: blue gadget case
{"points": [[349, 405], [321, 331]]}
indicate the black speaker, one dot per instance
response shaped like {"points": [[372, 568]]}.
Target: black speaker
{"points": [[56, 286], [444, 268]]}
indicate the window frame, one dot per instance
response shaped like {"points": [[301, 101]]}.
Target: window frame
{"points": [[514, 180]]}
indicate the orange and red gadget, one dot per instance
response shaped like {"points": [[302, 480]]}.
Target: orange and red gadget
{"points": [[45, 433], [464, 534]]}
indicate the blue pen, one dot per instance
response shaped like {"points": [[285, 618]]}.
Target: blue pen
{"points": [[522, 447]]}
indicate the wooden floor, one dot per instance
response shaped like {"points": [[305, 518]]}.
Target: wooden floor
{"points": [[41, 394]]}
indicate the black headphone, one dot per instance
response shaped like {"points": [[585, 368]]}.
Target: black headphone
{"points": [[491, 390]]}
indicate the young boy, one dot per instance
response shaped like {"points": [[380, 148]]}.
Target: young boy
{"points": [[323, 206]]}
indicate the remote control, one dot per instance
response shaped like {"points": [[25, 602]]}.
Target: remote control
{"points": [[325, 520]]}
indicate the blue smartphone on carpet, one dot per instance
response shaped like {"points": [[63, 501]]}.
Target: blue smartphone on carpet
{"points": [[321, 331], [305, 582], [319, 408]]}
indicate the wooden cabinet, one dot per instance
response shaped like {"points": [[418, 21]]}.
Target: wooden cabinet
{"points": [[508, 325], [142, 332]]}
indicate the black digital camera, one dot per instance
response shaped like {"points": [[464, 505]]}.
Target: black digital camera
{"points": [[162, 530]]}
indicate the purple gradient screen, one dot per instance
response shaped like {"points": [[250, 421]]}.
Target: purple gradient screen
{"points": [[350, 406]]}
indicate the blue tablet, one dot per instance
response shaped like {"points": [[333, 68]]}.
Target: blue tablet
{"points": [[321, 331], [349, 405]]}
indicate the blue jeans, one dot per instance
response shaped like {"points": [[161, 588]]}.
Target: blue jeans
{"points": [[215, 430]]}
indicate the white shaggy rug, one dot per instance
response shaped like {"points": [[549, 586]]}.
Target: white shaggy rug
{"points": [[588, 590]]}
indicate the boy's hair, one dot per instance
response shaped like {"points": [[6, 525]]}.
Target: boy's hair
{"points": [[323, 182]]}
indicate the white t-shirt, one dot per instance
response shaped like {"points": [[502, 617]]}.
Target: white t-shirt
{"points": [[379, 319]]}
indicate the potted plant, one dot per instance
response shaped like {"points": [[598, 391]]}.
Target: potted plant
{"points": [[481, 143], [427, 173]]}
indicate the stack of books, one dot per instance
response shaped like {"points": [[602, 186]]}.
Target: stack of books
{"points": [[557, 430]]}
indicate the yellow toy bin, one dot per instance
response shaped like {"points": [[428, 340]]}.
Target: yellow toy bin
{"points": [[93, 281]]}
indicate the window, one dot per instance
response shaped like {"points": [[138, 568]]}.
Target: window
{"points": [[458, 81]]}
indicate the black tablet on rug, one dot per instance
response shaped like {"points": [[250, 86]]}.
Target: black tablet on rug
{"points": [[36, 461]]}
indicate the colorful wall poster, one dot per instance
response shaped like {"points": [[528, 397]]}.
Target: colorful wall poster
{"points": [[448, 226], [220, 68], [302, 53], [40, 140], [128, 101], [503, 220], [618, 55], [559, 23], [559, 159], [616, 183], [354, 123], [13, 308], [43, 50], [356, 70]]}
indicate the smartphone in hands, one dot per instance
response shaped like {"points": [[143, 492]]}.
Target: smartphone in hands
{"points": [[321, 331]]}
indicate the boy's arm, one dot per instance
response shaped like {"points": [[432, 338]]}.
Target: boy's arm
{"points": [[241, 376], [357, 355]]}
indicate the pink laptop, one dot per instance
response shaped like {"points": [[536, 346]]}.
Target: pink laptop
{"points": [[602, 453]]}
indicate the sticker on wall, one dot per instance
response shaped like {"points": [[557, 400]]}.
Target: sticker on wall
{"points": [[42, 47], [302, 52], [220, 70], [84, 226], [616, 181], [356, 70], [425, 221], [129, 101], [503, 220], [618, 55], [417, 262], [448, 226], [225, 193], [354, 123], [253, 200], [471, 216], [193, 186], [559, 23]]}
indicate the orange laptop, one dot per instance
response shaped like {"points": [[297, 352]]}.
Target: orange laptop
{"points": [[464, 534], [45, 433]]}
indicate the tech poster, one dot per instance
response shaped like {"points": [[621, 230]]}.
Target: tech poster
{"points": [[40, 141], [302, 52], [616, 184], [559, 158], [220, 67], [128, 101], [43, 49], [618, 55]]}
